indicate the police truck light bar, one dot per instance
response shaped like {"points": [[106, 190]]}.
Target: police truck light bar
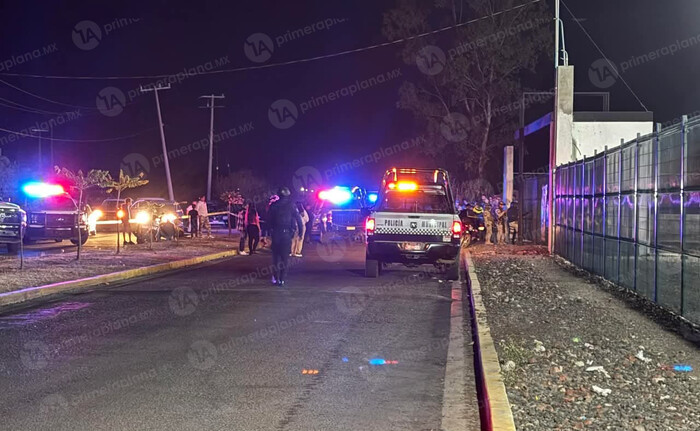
{"points": [[42, 190], [336, 195], [403, 186]]}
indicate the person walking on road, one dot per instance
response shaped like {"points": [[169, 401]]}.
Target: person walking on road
{"points": [[252, 222], [502, 223], [283, 216], [126, 221], [488, 223], [204, 216], [298, 241]]}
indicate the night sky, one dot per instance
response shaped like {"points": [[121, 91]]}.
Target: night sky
{"points": [[164, 37]]}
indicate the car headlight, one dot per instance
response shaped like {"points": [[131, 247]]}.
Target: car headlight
{"points": [[95, 215], [169, 218], [142, 217]]}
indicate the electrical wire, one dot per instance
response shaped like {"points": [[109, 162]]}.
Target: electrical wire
{"points": [[15, 105], [284, 63], [604, 56], [44, 98], [119, 138]]}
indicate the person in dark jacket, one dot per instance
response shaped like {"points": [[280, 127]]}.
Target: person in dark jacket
{"points": [[283, 217]]}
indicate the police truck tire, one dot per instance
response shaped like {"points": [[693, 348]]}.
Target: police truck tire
{"points": [[83, 240], [372, 268], [13, 248], [452, 270]]}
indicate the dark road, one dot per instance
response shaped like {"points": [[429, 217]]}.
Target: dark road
{"points": [[219, 347]]}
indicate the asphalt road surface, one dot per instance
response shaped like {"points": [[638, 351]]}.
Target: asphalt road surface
{"points": [[220, 348]]}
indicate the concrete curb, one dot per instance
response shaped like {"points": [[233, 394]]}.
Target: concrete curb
{"points": [[82, 284], [494, 406]]}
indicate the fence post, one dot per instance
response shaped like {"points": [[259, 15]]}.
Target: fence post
{"points": [[655, 149], [635, 235], [605, 208], [684, 144], [619, 207], [583, 216]]}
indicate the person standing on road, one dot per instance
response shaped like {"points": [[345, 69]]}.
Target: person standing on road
{"points": [[488, 223], [242, 230], [502, 223], [126, 221], [283, 217], [298, 241], [204, 216], [309, 224], [194, 219], [512, 222], [252, 222]]}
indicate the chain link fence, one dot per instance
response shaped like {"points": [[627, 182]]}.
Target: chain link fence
{"points": [[632, 215]]}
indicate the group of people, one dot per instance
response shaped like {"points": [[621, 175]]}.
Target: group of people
{"points": [[255, 227], [500, 221]]}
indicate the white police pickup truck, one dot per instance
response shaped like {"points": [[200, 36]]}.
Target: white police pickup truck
{"points": [[414, 222]]}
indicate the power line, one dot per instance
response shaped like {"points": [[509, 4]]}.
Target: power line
{"points": [[612, 66], [119, 138], [21, 107], [44, 98], [16, 108], [285, 63]]}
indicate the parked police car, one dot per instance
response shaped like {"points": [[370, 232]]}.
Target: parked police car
{"points": [[13, 223], [414, 222]]}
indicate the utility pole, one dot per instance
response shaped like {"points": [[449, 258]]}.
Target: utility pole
{"points": [[556, 33], [40, 165], [155, 90], [211, 104]]}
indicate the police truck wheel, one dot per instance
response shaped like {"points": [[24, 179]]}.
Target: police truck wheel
{"points": [[372, 268], [83, 240], [13, 248]]}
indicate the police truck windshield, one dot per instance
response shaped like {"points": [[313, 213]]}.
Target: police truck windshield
{"points": [[53, 203], [415, 202]]}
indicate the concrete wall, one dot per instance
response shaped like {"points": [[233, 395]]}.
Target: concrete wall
{"points": [[591, 136]]}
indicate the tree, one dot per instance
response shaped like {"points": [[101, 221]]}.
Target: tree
{"points": [[80, 182], [250, 186], [124, 182], [8, 178], [467, 96]]}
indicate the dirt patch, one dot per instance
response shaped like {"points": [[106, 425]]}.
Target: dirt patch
{"points": [[45, 268], [576, 356]]}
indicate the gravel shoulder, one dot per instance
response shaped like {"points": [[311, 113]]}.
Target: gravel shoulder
{"points": [[576, 356], [45, 268]]}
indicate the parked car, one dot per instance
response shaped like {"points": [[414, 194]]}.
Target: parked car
{"points": [[13, 223], [105, 215], [157, 217], [55, 217]]}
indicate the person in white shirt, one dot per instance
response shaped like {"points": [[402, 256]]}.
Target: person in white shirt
{"points": [[204, 216], [298, 241]]}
